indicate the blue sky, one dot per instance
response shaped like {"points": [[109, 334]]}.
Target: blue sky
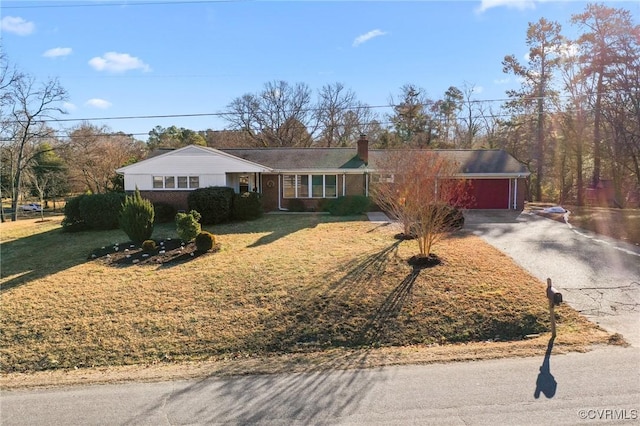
{"points": [[181, 57]]}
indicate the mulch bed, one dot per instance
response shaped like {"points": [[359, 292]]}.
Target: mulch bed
{"points": [[168, 251], [422, 262]]}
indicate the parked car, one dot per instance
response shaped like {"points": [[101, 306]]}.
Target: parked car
{"points": [[31, 207]]}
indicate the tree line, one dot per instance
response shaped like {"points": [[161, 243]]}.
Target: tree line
{"points": [[574, 121]]}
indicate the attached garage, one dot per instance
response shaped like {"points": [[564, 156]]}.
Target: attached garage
{"points": [[490, 193]]}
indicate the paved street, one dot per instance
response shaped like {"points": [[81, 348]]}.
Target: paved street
{"points": [[598, 276], [598, 387]]}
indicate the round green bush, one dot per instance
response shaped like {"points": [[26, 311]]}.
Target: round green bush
{"points": [[188, 225], [205, 241], [148, 245]]}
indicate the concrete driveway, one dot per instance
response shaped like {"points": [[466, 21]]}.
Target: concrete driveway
{"points": [[598, 276]]}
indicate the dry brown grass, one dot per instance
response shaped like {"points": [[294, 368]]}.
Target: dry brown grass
{"points": [[283, 293]]}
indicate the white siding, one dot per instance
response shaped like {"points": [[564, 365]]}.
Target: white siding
{"points": [[210, 165]]}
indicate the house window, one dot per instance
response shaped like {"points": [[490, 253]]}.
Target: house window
{"points": [[244, 184], [382, 178], [158, 182], [289, 186], [183, 182], [172, 182], [310, 186], [330, 186], [303, 186]]}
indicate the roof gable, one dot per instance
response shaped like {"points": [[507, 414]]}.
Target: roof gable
{"points": [[194, 159]]}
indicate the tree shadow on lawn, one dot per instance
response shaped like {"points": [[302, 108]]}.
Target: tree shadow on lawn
{"points": [[252, 399], [344, 313], [36, 256], [279, 225]]}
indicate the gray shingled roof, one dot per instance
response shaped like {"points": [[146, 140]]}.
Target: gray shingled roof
{"points": [[299, 159]]}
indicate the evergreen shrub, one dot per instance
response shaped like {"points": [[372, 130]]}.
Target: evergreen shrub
{"points": [[73, 221], [214, 203], [102, 211], [187, 225], [205, 241], [164, 212], [247, 206], [136, 217], [349, 205]]}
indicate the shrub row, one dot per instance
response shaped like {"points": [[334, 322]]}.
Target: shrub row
{"points": [[96, 211], [218, 204], [214, 204], [349, 205]]}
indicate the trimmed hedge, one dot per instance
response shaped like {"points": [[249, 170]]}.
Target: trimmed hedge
{"points": [[247, 206], [102, 211], [215, 204], [93, 211], [349, 205], [73, 221], [164, 212]]}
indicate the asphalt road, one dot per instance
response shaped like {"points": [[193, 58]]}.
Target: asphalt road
{"points": [[575, 388], [598, 276]]}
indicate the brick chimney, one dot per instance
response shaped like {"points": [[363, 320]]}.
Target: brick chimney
{"points": [[363, 148]]}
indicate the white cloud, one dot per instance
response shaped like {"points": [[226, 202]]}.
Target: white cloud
{"points": [[569, 50], [57, 52], [368, 36], [118, 62], [17, 25], [68, 106], [506, 80], [478, 89], [511, 4], [98, 103]]}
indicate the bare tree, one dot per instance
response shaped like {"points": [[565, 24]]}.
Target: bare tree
{"points": [[418, 188], [341, 117], [94, 153], [29, 105], [280, 115]]}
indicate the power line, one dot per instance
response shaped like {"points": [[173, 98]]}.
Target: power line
{"points": [[222, 114], [71, 4]]}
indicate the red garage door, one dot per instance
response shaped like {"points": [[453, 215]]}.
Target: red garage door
{"points": [[489, 193]]}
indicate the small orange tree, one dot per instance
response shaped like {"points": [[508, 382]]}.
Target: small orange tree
{"points": [[419, 188]]}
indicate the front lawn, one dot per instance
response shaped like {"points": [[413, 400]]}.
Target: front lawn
{"points": [[280, 285]]}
